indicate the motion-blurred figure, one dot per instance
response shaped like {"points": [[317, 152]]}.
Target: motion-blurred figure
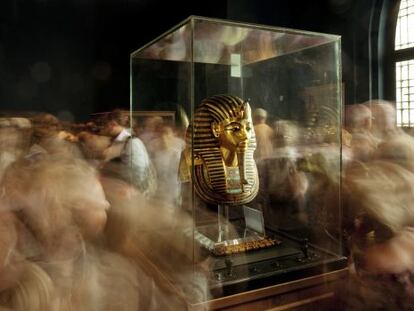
{"points": [[93, 146], [282, 193], [264, 135], [384, 122], [286, 133], [127, 158], [165, 152], [379, 221], [399, 150], [15, 140], [150, 130], [61, 268], [63, 248], [286, 138], [358, 122], [50, 139]]}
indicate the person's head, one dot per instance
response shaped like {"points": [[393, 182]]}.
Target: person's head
{"points": [[358, 117], [153, 123], [46, 119], [167, 137], [114, 123], [259, 116], [384, 118], [45, 125]]}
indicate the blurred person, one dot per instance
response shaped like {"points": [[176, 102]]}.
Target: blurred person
{"points": [[24, 285], [47, 125], [165, 152], [286, 133], [399, 149], [50, 139], [15, 140], [62, 205], [11, 261], [384, 121], [45, 224], [282, 193], [286, 138], [379, 221], [150, 130], [65, 226], [57, 146], [153, 232], [44, 125], [321, 205], [92, 127], [264, 135], [34, 291], [378, 193], [68, 136], [39, 191], [102, 280], [127, 158], [358, 122], [93, 145]]}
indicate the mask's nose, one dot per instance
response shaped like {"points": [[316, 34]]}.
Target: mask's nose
{"points": [[244, 135]]}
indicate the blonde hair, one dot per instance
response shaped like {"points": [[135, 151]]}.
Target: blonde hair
{"points": [[34, 291]]}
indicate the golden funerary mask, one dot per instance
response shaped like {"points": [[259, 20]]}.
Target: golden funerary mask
{"points": [[223, 141]]}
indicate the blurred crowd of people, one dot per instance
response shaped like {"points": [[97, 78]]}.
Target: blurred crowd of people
{"points": [[378, 196], [85, 207], [81, 212], [377, 182]]}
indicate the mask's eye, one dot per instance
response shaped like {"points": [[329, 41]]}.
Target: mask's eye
{"points": [[233, 127], [248, 128]]}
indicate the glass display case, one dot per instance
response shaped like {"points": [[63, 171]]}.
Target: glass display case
{"points": [[243, 126]]}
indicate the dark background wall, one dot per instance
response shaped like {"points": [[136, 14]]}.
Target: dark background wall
{"points": [[72, 56], [366, 27]]}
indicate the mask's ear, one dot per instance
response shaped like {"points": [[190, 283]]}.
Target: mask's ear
{"points": [[215, 128]]}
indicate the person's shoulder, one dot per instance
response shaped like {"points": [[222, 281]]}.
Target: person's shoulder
{"points": [[136, 142], [269, 128], [179, 142]]}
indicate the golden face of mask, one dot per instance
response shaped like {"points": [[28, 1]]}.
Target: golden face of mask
{"points": [[233, 134]]}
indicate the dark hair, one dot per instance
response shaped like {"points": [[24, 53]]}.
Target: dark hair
{"points": [[119, 116], [45, 119]]}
